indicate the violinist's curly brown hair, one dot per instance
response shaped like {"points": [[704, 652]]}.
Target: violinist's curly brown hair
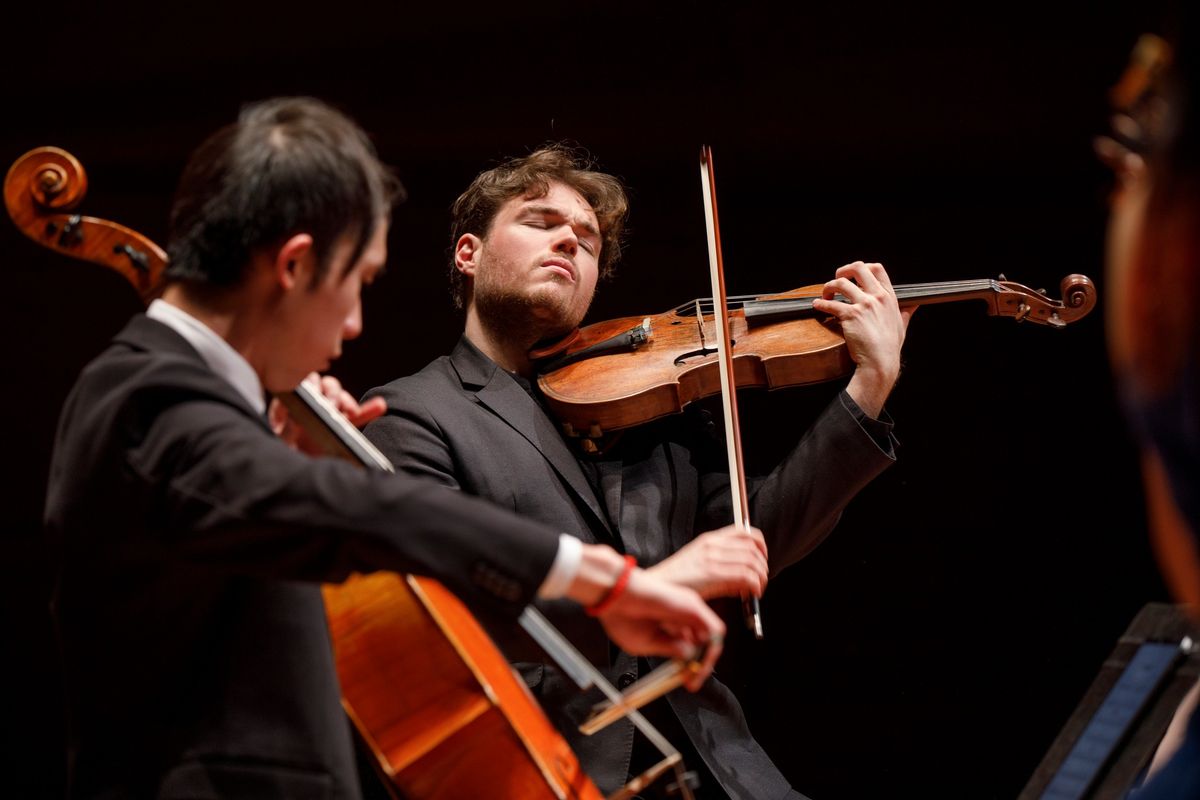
{"points": [[531, 177]]}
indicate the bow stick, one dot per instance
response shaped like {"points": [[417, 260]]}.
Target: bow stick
{"points": [[733, 434]]}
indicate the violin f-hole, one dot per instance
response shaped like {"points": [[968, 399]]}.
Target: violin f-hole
{"points": [[702, 352]]}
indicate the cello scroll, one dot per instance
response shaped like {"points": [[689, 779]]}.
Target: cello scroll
{"points": [[42, 188]]}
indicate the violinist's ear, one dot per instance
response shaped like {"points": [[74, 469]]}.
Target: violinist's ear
{"points": [[466, 254], [295, 261]]}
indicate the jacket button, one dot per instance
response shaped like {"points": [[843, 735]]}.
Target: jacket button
{"points": [[626, 680]]}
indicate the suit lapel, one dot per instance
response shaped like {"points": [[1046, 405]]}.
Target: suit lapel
{"points": [[178, 363], [500, 393]]}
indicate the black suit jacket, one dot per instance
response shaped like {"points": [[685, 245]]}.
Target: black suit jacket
{"points": [[467, 423], [191, 540]]}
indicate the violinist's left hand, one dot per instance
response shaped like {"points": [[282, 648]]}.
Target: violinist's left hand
{"points": [[358, 414], [873, 325]]}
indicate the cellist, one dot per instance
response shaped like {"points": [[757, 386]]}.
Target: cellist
{"points": [[191, 539], [530, 238]]}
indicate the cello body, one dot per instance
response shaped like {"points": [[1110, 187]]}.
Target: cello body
{"points": [[426, 688]]}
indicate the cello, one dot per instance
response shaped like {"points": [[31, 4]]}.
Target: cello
{"points": [[475, 730]]}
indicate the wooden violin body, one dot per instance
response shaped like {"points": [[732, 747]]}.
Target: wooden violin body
{"points": [[629, 371]]}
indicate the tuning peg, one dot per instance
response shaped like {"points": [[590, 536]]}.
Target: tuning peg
{"points": [[1002, 277]]}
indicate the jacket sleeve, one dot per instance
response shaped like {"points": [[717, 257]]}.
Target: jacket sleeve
{"points": [[232, 494], [798, 504]]}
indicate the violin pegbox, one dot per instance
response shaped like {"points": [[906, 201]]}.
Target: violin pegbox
{"points": [[1023, 304]]}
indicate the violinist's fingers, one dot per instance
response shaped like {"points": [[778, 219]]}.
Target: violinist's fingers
{"points": [[735, 535], [906, 314], [759, 541], [871, 278], [743, 561], [880, 274], [845, 287]]}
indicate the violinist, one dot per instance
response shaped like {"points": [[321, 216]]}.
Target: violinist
{"points": [[530, 239], [191, 539]]}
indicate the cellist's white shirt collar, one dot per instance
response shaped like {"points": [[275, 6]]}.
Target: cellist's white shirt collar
{"points": [[216, 352]]}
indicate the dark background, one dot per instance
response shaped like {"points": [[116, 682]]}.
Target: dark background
{"points": [[934, 645]]}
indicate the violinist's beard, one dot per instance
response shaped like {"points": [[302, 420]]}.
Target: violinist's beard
{"points": [[538, 313]]}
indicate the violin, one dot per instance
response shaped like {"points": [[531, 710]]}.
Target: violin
{"points": [[620, 373]]}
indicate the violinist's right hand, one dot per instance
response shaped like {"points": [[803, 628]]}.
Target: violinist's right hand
{"points": [[728, 562]]}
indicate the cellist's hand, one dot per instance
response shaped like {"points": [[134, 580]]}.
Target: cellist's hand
{"points": [[649, 616], [873, 325], [330, 387], [728, 562]]}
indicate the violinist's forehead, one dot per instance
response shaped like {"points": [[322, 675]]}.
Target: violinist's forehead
{"points": [[559, 199]]}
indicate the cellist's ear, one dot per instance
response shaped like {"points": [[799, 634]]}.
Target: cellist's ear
{"points": [[295, 261], [466, 254]]}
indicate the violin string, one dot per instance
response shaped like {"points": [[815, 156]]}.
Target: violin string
{"points": [[704, 305]]}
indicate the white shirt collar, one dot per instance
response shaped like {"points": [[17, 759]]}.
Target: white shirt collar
{"points": [[216, 352]]}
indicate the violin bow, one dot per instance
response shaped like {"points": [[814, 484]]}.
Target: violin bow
{"points": [[733, 433]]}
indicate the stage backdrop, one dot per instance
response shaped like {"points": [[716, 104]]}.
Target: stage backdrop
{"points": [[934, 645]]}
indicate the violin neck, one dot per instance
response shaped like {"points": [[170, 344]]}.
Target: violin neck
{"points": [[946, 291], [913, 294]]}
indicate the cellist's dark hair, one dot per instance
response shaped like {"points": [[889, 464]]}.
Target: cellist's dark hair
{"points": [[530, 176], [288, 165]]}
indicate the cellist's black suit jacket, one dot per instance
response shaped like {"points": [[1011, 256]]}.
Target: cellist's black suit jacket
{"points": [[196, 649], [469, 424]]}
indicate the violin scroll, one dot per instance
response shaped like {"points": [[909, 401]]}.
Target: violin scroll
{"points": [[1078, 292], [1024, 304], [45, 184]]}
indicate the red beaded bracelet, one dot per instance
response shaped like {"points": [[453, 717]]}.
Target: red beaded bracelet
{"points": [[613, 594]]}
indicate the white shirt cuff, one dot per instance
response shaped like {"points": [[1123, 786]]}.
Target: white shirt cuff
{"points": [[564, 569]]}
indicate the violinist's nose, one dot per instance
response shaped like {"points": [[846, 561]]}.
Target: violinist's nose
{"points": [[568, 242]]}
